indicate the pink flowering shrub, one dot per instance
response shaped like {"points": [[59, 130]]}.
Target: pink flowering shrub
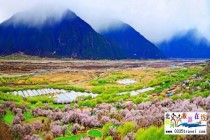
{"points": [[86, 138], [17, 131], [208, 102], [104, 119], [128, 117], [55, 123], [37, 125], [64, 129], [9, 104], [21, 116], [73, 116], [56, 130], [22, 107], [2, 106], [90, 122], [57, 115], [47, 107], [105, 106], [37, 112], [67, 108], [49, 114], [27, 129], [57, 110], [32, 137], [16, 110], [75, 128], [2, 110], [113, 132], [16, 120], [198, 101], [115, 122], [129, 136]]}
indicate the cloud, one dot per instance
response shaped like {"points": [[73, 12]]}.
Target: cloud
{"points": [[157, 20]]}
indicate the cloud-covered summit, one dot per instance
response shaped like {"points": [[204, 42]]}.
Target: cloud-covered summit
{"points": [[157, 20]]}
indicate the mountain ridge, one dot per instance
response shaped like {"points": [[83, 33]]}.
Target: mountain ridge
{"points": [[135, 45], [190, 44], [68, 37]]}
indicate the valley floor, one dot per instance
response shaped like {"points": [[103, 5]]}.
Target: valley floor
{"points": [[115, 113]]}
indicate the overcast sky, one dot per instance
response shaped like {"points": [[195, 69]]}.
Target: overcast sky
{"points": [[157, 20]]}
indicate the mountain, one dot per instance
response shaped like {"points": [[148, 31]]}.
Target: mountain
{"points": [[68, 36], [134, 45], [187, 45]]}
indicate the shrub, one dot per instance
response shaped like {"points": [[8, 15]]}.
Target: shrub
{"points": [[17, 111], [17, 131], [104, 119], [27, 129], [105, 129], [185, 96], [5, 89], [109, 138], [39, 103], [153, 133], [160, 98], [21, 116], [37, 125], [16, 120], [113, 132], [129, 136], [138, 100], [32, 137], [56, 130], [75, 128], [2, 110], [208, 102], [67, 87], [58, 115], [64, 129], [88, 103], [126, 128], [48, 136]]}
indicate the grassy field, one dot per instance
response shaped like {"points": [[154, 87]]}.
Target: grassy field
{"points": [[33, 119], [8, 118], [75, 137], [95, 133]]}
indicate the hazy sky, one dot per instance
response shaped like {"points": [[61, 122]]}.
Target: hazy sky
{"points": [[157, 20]]}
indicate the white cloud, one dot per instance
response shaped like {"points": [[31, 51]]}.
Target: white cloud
{"points": [[155, 19]]}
